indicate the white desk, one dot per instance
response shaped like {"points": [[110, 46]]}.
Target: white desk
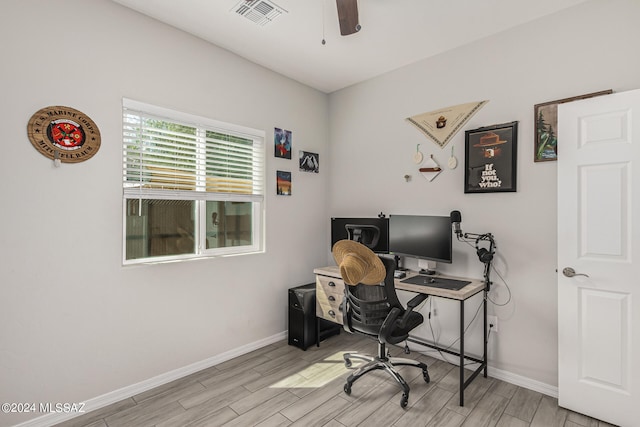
{"points": [[330, 291]]}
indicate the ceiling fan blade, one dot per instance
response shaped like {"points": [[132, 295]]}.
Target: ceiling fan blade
{"points": [[348, 16]]}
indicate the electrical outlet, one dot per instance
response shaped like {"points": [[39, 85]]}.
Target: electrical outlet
{"points": [[492, 320]]}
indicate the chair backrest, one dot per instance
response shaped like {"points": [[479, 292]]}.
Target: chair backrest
{"points": [[367, 306]]}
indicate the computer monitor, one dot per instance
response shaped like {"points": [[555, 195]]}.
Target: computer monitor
{"points": [[423, 237], [371, 232]]}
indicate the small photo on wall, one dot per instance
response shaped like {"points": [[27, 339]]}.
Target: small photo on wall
{"points": [[309, 162], [282, 143], [283, 182]]}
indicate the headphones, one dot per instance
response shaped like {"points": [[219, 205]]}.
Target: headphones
{"points": [[485, 255]]}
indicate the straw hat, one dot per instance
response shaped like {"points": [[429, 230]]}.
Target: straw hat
{"points": [[358, 263]]}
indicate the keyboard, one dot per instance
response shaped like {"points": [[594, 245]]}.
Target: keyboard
{"points": [[437, 282]]}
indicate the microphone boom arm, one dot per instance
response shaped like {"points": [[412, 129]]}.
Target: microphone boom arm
{"points": [[467, 237], [485, 255]]}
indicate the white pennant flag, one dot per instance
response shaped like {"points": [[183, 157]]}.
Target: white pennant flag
{"points": [[441, 125]]}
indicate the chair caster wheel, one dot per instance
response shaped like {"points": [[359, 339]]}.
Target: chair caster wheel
{"points": [[347, 363], [427, 378], [347, 389], [404, 400]]}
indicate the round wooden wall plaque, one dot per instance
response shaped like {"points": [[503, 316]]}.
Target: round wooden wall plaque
{"points": [[64, 133]]}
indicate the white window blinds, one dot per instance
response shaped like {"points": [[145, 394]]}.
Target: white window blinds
{"points": [[167, 150]]}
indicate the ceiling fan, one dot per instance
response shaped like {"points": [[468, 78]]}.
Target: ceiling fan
{"points": [[348, 16]]}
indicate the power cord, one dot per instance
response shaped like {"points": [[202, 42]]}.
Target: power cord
{"points": [[435, 341], [505, 284], [493, 267], [491, 325]]}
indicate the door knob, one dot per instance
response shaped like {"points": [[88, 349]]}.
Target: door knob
{"points": [[570, 272]]}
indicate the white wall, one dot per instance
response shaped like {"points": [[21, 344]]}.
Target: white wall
{"points": [[75, 323], [584, 49]]}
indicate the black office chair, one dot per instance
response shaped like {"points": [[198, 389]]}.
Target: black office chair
{"points": [[375, 311]]}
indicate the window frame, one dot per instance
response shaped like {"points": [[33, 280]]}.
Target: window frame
{"points": [[199, 195]]}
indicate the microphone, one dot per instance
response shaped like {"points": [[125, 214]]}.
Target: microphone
{"points": [[456, 218]]}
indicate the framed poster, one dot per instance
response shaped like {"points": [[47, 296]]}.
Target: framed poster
{"points": [[283, 183], [282, 143], [309, 162], [491, 158], [545, 121]]}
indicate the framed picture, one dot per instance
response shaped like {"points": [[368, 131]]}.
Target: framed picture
{"points": [[546, 126], [490, 159], [282, 143], [283, 183], [309, 162]]}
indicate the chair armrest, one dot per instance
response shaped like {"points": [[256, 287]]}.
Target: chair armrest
{"points": [[413, 303], [416, 301], [395, 320]]}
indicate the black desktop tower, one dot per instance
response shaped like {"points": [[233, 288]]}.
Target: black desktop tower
{"points": [[304, 327]]}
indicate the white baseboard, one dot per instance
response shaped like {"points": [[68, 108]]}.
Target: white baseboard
{"points": [[521, 381], [134, 389], [499, 374]]}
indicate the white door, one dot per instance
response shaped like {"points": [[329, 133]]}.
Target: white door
{"points": [[599, 237]]}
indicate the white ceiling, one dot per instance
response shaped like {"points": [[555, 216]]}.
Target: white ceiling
{"points": [[394, 32]]}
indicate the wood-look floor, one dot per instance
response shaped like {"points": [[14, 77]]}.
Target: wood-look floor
{"points": [[281, 385]]}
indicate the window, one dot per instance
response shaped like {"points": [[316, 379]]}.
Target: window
{"points": [[192, 187]]}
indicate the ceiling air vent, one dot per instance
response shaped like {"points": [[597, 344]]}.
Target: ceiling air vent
{"points": [[261, 12]]}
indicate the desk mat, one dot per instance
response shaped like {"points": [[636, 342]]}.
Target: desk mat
{"points": [[437, 282]]}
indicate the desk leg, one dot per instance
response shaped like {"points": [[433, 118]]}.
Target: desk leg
{"points": [[484, 357], [462, 353]]}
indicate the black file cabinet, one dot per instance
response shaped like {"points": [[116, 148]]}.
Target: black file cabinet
{"points": [[304, 328]]}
